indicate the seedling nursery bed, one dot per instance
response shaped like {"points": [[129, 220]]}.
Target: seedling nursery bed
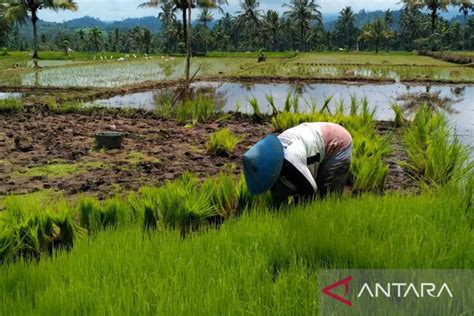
{"points": [[41, 150]]}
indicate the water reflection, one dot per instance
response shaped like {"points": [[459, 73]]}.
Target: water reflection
{"points": [[455, 100]]}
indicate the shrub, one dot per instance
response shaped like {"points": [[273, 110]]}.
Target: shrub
{"points": [[10, 106], [222, 143]]}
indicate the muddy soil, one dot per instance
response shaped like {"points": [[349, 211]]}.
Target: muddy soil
{"points": [[154, 150]]}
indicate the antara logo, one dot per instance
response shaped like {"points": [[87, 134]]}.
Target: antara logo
{"points": [[398, 290], [345, 282]]}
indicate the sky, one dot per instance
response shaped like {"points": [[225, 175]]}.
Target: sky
{"points": [[113, 10]]}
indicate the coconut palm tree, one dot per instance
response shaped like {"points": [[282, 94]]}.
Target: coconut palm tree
{"points": [[249, 20], [22, 10], [376, 33], [205, 16], [249, 13], [464, 8], [346, 20], [433, 5], [271, 25], [303, 12], [183, 6], [95, 36], [388, 17]]}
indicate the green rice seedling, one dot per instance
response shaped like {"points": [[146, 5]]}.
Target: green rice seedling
{"points": [[368, 171], [222, 142], [114, 213], [326, 103], [296, 103], [340, 107], [67, 232], [287, 105], [354, 105], [6, 243], [434, 152], [311, 105], [281, 252], [200, 109], [10, 106], [271, 102], [183, 208], [150, 219], [238, 107], [224, 194], [367, 114], [89, 214], [400, 119], [253, 102], [164, 104]]}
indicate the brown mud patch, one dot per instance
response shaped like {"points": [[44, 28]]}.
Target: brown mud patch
{"points": [[154, 150]]}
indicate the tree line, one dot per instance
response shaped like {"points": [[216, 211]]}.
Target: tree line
{"points": [[299, 27]]}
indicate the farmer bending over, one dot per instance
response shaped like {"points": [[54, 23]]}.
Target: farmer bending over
{"points": [[302, 161]]}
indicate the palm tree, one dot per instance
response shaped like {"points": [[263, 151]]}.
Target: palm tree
{"points": [[271, 24], [205, 16], [410, 25], [22, 10], [249, 12], [376, 33], [168, 24], [433, 5], [183, 6], [95, 36], [388, 17], [303, 12], [464, 9], [249, 19], [347, 18]]}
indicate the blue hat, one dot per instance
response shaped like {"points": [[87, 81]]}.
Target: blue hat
{"points": [[262, 164]]}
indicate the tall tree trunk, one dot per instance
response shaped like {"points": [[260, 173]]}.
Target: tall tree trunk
{"points": [[302, 44], [274, 39], [34, 19], [188, 48], [464, 30], [434, 14], [185, 28], [347, 37]]}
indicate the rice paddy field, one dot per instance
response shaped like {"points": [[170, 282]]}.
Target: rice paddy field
{"points": [[165, 224]]}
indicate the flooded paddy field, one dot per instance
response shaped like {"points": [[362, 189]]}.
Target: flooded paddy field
{"points": [[456, 101], [113, 71]]}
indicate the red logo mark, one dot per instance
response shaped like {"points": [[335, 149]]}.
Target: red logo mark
{"points": [[327, 290]]}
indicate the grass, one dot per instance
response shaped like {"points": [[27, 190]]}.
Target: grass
{"points": [[222, 142], [264, 262], [434, 151], [59, 168], [137, 157], [10, 106]]}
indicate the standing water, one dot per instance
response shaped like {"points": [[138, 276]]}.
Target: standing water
{"points": [[457, 101]]}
